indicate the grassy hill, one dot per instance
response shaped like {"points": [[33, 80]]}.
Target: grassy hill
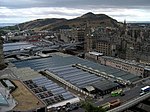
{"points": [[89, 19]]}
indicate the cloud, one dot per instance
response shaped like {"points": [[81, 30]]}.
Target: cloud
{"points": [[75, 3], [23, 10], [40, 12]]}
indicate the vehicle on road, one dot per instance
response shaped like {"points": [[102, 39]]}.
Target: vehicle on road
{"points": [[105, 106], [110, 105], [142, 93], [117, 92], [144, 90]]}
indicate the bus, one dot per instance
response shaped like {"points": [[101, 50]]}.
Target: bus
{"points": [[105, 106], [144, 90], [117, 92], [110, 105]]}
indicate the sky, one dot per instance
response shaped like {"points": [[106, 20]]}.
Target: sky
{"points": [[18, 11]]}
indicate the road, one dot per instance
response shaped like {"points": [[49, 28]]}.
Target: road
{"points": [[129, 94], [130, 103]]}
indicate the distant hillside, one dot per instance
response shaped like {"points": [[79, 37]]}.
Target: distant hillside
{"points": [[7, 24], [35, 24], [88, 19]]}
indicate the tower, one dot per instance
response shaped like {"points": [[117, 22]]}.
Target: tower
{"points": [[88, 39], [125, 23], [125, 28]]}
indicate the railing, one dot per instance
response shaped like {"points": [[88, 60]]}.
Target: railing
{"points": [[130, 103]]}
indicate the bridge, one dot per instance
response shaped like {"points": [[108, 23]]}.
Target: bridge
{"points": [[130, 103], [6, 55], [37, 49]]}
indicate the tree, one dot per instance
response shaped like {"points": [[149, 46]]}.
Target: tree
{"points": [[91, 108]]}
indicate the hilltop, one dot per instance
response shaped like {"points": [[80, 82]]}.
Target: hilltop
{"points": [[89, 19]]}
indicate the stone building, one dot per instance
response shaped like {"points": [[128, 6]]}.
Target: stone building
{"points": [[101, 40], [132, 43], [1, 54], [132, 67], [105, 47], [72, 35]]}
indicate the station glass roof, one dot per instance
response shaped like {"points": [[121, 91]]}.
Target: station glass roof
{"points": [[57, 61]]}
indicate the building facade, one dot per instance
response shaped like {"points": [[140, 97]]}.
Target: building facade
{"points": [[131, 43], [101, 40], [132, 67], [106, 48], [72, 35]]}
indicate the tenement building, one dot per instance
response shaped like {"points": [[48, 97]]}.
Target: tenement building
{"points": [[132, 67], [102, 40], [126, 42], [71, 35]]}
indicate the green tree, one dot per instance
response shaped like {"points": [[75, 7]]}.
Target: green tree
{"points": [[91, 108]]}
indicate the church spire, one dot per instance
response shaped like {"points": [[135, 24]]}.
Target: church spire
{"points": [[125, 23]]}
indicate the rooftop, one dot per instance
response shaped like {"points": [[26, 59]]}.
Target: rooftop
{"points": [[57, 61], [3, 100], [7, 102], [16, 46], [45, 89], [75, 76], [96, 53], [49, 92], [26, 100], [25, 73], [104, 85]]}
